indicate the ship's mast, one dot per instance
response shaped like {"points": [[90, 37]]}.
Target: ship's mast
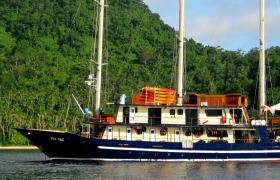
{"points": [[99, 56], [262, 78], [181, 53]]}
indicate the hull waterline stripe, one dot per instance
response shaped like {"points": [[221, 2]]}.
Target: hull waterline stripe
{"points": [[190, 151], [168, 160]]}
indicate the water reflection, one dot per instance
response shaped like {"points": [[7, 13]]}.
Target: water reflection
{"points": [[34, 165]]}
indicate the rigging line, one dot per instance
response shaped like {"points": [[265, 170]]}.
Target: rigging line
{"points": [[185, 84], [175, 55], [94, 33], [89, 97], [270, 79], [106, 56], [256, 88], [93, 51], [97, 9], [185, 67], [75, 15]]}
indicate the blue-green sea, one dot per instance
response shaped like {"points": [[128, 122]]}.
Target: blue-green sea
{"points": [[32, 164]]}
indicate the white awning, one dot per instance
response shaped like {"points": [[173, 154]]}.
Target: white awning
{"points": [[272, 109]]}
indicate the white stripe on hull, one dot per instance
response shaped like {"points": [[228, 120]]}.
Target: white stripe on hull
{"points": [[169, 160], [190, 151]]}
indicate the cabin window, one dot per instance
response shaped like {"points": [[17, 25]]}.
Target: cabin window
{"points": [[191, 117], [136, 110], [154, 115], [244, 136], [236, 115], [277, 113], [172, 111], [132, 110], [180, 111], [126, 115], [213, 112], [125, 110], [128, 131]]}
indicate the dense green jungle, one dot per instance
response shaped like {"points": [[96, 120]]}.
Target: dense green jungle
{"points": [[45, 51]]}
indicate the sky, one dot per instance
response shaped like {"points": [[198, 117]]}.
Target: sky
{"points": [[230, 24]]}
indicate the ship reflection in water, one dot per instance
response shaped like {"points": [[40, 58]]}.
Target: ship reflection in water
{"points": [[33, 165]]}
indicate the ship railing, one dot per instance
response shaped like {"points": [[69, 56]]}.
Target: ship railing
{"points": [[157, 120], [274, 121], [194, 140], [221, 121], [171, 138], [192, 137], [104, 118]]}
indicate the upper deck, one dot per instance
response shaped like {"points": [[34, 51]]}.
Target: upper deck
{"points": [[157, 106]]}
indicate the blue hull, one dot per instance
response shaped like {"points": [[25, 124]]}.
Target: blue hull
{"points": [[68, 146]]}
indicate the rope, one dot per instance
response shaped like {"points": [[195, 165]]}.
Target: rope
{"points": [[256, 88], [106, 54], [270, 80], [94, 33], [93, 54], [75, 15], [173, 79], [185, 68]]}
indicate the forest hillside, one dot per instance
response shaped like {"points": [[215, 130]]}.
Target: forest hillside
{"points": [[45, 48]]}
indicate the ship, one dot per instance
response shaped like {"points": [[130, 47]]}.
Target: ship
{"points": [[161, 124]]}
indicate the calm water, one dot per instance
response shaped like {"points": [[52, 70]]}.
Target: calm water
{"points": [[34, 165]]}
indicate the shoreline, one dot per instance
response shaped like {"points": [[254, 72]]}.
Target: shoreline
{"points": [[18, 148]]}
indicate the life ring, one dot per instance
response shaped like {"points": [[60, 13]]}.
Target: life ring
{"points": [[135, 129], [163, 131], [198, 133], [223, 120]]}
